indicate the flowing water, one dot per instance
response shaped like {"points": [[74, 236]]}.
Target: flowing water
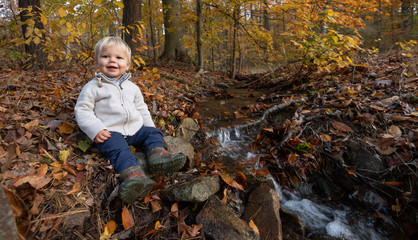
{"points": [[322, 220]]}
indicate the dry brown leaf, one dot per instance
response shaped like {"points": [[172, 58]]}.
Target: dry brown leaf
{"points": [[395, 131], [325, 138], [175, 210], [66, 128], [155, 206], [231, 182], [127, 220], [31, 124], [39, 198], [393, 183], [341, 127], [76, 188]]}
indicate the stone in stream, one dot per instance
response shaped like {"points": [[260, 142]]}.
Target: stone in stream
{"points": [[8, 229], [220, 222], [263, 208], [198, 190], [187, 129]]}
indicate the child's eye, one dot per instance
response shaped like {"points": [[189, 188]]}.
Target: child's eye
{"points": [[120, 57], [104, 56]]}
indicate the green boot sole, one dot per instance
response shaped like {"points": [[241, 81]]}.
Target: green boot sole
{"points": [[132, 189], [167, 165]]}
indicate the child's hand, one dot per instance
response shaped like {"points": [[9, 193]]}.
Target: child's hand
{"points": [[102, 136]]}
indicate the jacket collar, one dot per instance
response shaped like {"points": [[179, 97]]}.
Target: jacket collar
{"points": [[125, 76]]}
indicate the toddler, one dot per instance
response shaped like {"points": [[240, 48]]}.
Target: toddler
{"points": [[112, 112]]}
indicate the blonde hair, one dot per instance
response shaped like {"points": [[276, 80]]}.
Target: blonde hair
{"points": [[111, 41]]}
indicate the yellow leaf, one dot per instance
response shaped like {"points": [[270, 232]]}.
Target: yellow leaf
{"points": [[36, 40], [62, 12], [44, 20], [119, 4], [109, 229], [64, 155], [127, 219], [54, 26]]}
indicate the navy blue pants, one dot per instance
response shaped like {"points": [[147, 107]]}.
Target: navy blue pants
{"points": [[116, 148]]}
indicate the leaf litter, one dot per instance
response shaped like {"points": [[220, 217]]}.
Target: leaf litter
{"points": [[51, 172]]}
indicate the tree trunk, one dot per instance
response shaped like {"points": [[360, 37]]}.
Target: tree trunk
{"points": [[199, 34], [37, 58], [132, 15], [234, 43], [151, 26], [174, 49]]}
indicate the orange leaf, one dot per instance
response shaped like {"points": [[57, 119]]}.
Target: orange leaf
{"points": [[241, 178], [127, 220], [254, 227], [66, 128], [231, 182], [76, 188], [394, 183], [109, 229]]}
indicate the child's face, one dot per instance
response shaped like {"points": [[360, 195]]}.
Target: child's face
{"points": [[113, 61]]}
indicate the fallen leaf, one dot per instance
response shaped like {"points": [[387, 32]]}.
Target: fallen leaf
{"points": [[231, 182], [395, 131], [30, 125], [109, 229], [254, 227], [127, 220], [194, 231], [64, 155], [39, 198], [341, 127], [393, 183], [241, 178], [76, 188], [155, 206], [325, 138], [66, 128]]}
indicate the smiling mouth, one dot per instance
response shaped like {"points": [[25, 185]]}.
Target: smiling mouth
{"points": [[112, 67]]}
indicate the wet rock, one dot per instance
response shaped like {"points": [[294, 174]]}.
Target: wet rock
{"points": [[254, 182], [220, 222], [198, 190], [187, 129], [8, 229], [292, 225], [175, 144], [235, 201], [372, 199], [364, 160], [263, 208]]}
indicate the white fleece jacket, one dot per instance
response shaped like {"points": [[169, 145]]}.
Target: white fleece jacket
{"points": [[115, 107]]}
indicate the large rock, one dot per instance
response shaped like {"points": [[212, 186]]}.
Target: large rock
{"points": [[220, 223], [8, 229], [293, 226], [175, 144], [263, 208], [187, 129], [198, 190]]}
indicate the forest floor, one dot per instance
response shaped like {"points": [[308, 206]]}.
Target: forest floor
{"points": [[50, 171]]}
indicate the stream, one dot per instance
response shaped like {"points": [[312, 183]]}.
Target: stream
{"points": [[324, 219]]}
